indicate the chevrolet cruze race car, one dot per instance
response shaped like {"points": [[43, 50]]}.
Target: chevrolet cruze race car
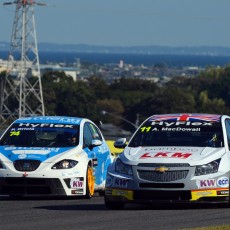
{"points": [[172, 158], [53, 155]]}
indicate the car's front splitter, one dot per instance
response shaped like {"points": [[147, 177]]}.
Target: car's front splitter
{"points": [[161, 196]]}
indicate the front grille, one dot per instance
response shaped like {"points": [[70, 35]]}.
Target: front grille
{"points": [[26, 165], [167, 176]]}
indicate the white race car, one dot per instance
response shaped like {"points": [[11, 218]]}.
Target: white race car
{"points": [[53, 155], [172, 158]]}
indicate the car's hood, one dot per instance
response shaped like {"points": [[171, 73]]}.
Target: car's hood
{"points": [[191, 155], [34, 153]]}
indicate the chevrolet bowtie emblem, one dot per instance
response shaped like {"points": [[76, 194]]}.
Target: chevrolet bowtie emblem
{"points": [[161, 169]]}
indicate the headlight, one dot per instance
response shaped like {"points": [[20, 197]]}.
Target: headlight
{"points": [[120, 167], [209, 168], [65, 164]]}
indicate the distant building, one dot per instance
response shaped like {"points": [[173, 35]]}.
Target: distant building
{"points": [[121, 64], [69, 71]]}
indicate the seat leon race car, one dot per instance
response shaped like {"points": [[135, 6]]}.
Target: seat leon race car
{"points": [[53, 155], [172, 158]]}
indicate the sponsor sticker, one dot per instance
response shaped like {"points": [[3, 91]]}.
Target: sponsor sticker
{"points": [[223, 182], [76, 183], [209, 183], [180, 155], [22, 156], [119, 182], [223, 192], [45, 125], [125, 193], [205, 193]]}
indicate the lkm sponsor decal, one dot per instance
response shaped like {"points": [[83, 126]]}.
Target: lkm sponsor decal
{"points": [[180, 155]]}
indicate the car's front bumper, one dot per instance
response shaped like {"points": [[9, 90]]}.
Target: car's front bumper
{"points": [[175, 185]]}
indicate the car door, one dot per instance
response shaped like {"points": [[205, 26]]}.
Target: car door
{"points": [[98, 153], [92, 152]]}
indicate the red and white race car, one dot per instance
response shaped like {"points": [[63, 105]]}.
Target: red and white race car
{"points": [[172, 158]]}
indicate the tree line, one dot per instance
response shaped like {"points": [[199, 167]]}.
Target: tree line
{"points": [[133, 98]]}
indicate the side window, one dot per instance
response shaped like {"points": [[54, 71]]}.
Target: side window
{"points": [[227, 123], [95, 132], [87, 138], [91, 132]]}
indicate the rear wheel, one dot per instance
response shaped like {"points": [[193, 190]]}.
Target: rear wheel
{"points": [[89, 183]]}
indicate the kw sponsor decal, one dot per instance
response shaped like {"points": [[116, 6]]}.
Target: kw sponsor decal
{"points": [[209, 183], [180, 155], [118, 182], [76, 183]]}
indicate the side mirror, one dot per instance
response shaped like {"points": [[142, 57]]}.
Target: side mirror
{"points": [[120, 143], [95, 143]]}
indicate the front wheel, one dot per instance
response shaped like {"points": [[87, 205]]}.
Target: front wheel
{"points": [[89, 182]]}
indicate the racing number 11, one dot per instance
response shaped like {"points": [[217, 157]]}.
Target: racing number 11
{"points": [[145, 129]]}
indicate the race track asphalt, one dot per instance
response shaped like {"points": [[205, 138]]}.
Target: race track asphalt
{"points": [[47, 213]]}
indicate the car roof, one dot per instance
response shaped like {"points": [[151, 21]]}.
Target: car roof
{"points": [[51, 119], [186, 117]]}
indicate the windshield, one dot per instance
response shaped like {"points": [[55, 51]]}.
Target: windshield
{"points": [[37, 136], [168, 133]]}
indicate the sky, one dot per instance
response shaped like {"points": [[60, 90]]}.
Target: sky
{"points": [[127, 22]]}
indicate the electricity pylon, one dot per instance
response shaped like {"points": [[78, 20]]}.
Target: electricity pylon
{"points": [[22, 88]]}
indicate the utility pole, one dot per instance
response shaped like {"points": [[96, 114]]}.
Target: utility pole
{"points": [[22, 89]]}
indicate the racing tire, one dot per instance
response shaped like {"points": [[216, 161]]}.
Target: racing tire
{"points": [[114, 205], [89, 183]]}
